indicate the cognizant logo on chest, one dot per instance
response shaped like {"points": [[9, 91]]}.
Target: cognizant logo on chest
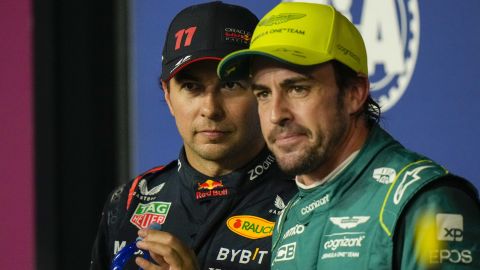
{"points": [[345, 246], [333, 244], [314, 205]]}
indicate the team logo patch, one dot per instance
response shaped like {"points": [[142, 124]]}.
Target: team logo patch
{"points": [[209, 185], [237, 35], [145, 191], [349, 222], [210, 188], [261, 168], [181, 62], [146, 214], [409, 178], [286, 252], [251, 227], [280, 18], [279, 204], [384, 175], [295, 230], [344, 242], [392, 39], [343, 246], [315, 204], [146, 194], [116, 195], [450, 227], [241, 256]]}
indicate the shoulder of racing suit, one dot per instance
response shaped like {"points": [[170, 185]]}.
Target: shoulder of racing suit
{"points": [[121, 198], [415, 178]]}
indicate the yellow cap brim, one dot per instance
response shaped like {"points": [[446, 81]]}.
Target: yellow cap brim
{"points": [[236, 65]]}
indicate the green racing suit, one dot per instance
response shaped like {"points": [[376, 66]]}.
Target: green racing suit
{"points": [[389, 208]]}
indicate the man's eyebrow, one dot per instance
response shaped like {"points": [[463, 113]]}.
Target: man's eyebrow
{"points": [[284, 84], [185, 76], [295, 80], [254, 87]]}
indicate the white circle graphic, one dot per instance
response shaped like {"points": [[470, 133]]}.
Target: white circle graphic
{"points": [[389, 84]]}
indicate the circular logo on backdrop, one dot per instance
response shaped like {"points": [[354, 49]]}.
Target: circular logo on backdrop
{"points": [[391, 31]]}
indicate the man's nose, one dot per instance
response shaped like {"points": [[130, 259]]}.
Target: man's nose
{"points": [[212, 106], [280, 112]]}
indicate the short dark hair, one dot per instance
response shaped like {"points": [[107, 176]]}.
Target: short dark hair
{"points": [[345, 77]]}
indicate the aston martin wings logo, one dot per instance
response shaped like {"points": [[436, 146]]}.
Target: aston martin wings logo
{"points": [[349, 222], [279, 203], [280, 18], [144, 189]]}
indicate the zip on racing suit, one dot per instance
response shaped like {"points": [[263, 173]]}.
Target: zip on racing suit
{"points": [[228, 220], [389, 208]]}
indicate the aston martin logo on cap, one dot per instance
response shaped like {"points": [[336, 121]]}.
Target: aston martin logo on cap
{"points": [[280, 18]]}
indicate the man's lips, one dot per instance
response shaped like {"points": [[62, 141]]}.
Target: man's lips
{"points": [[288, 139], [212, 133]]}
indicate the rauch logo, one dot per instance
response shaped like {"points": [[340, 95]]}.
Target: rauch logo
{"points": [[250, 226]]}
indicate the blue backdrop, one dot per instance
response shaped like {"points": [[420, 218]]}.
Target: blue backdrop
{"points": [[423, 63]]}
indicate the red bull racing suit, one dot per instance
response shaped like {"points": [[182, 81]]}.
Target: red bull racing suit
{"points": [[228, 221]]}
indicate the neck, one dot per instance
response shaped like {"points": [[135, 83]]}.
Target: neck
{"points": [[224, 165]]}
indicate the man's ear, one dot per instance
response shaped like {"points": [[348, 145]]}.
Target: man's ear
{"points": [[166, 93], [357, 94]]}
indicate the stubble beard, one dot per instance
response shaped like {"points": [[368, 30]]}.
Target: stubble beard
{"points": [[316, 154]]}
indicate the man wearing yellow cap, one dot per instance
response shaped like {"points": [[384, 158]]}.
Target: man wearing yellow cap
{"points": [[364, 201]]}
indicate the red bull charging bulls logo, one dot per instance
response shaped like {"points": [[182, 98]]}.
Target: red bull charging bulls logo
{"points": [[210, 188]]}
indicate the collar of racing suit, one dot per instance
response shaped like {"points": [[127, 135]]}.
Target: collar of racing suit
{"points": [[226, 191], [240, 180]]}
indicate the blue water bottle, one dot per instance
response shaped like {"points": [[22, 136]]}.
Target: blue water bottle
{"points": [[127, 252]]}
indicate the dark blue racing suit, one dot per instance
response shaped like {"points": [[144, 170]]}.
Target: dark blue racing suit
{"points": [[228, 221]]}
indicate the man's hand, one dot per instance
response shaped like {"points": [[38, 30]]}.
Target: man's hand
{"points": [[166, 250]]}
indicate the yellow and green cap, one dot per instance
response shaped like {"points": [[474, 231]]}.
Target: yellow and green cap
{"points": [[302, 34]]}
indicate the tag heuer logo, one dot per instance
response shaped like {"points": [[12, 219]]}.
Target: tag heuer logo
{"points": [[146, 214], [349, 222]]}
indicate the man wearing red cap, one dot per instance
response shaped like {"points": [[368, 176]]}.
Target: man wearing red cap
{"points": [[218, 202]]}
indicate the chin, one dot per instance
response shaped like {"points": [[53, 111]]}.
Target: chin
{"points": [[297, 162], [214, 152], [287, 162]]}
